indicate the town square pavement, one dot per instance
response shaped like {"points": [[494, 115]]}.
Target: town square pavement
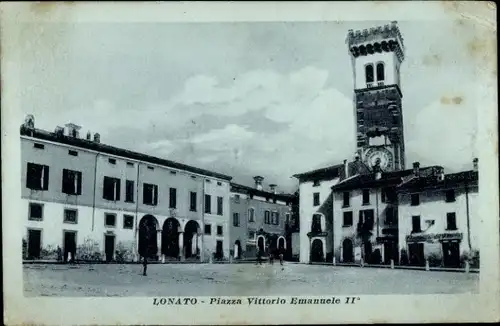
{"points": [[237, 279]]}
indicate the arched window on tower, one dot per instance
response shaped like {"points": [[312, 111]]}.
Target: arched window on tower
{"points": [[380, 72], [369, 73]]}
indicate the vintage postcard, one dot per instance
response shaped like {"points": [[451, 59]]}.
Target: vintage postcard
{"points": [[249, 163]]}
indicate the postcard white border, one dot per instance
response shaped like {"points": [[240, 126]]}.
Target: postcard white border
{"points": [[370, 309]]}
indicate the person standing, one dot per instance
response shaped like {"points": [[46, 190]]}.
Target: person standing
{"points": [[281, 253], [145, 265]]}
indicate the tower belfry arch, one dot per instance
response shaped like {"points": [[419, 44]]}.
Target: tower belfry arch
{"points": [[376, 55]]}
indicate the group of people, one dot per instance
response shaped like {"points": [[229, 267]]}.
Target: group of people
{"points": [[272, 254]]}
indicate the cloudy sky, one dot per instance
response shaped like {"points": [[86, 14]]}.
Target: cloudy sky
{"points": [[270, 99]]}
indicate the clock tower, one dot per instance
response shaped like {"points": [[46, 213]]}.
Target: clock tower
{"points": [[376, 56]]}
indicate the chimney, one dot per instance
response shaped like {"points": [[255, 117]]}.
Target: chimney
{"points": [[440, 174], [97, 138], [346, 169], [72, 130], [416, 169], [272, 187], [59, 131], [29, 121], [258, 182], [475, 164], [89, 135]]}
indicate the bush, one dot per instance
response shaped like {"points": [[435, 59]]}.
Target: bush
{"points": [[472, 258], [435, 260], [49, 253], [88, 251], [124, 252], [404, 261]]}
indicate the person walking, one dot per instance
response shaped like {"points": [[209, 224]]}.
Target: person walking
{"points": [[281, 254], [145, 265]]}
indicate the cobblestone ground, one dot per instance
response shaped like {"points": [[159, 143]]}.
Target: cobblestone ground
{"points": [[237, 279]]}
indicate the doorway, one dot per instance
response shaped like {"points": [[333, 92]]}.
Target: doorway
{"points": [[347, 251], [416, 253], [317, 251], [451, 254], [390, 250], [34, 243], [218, 250], [69, 245], [109, 246]]}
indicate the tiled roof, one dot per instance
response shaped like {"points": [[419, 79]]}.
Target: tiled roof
{"points": [[451, 180], [91, 145], [333, 171], [235, 187], [367, 180]]}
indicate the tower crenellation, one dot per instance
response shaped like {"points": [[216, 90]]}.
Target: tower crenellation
{"points": [[376, 55]]}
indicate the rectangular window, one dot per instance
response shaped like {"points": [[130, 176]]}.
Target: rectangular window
{"points": [[70, 216], [347, 199], [316, 183], [130, 164], [128, 221], [266, 217], [251, 235], [39, 146], [316, 223], [72, 182], [208, 204], [389, 215], [72, 153], [208, 229], [415, 223], [287, 218], [347, 219], [219, 183], [450, 195], [111, 189], [451, 221], [172, 203], [173, 172], [150, 194], [192, 201], [129, 191], [219, 230], [35, 212], [150, 168], [237, 199], [37, 177], [219, 205], [415, 199], [316, 199], [251, 215], [111, 161], [110, 219], [236, 219], [277, 218], [366, 196]]}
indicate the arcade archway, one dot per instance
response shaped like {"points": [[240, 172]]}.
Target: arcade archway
{"points": [[148, 246], [191, 246], [170, 238], [281, 243]]}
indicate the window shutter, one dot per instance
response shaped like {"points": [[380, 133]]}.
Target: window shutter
{"points": [[117, 183], [155, 190], [45, 177], [79, 183]]}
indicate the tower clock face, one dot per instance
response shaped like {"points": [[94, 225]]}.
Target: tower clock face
{"points": [[381, 155]]}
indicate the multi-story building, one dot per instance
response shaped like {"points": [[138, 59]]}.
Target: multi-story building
{"points": [[352, 211], [316, 209], [88, 198], [259, 220], [366, 216], [438, 219]]}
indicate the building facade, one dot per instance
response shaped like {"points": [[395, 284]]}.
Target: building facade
{"points": [[94, 200], [316, 205], [438, 221], [259, 220]]}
